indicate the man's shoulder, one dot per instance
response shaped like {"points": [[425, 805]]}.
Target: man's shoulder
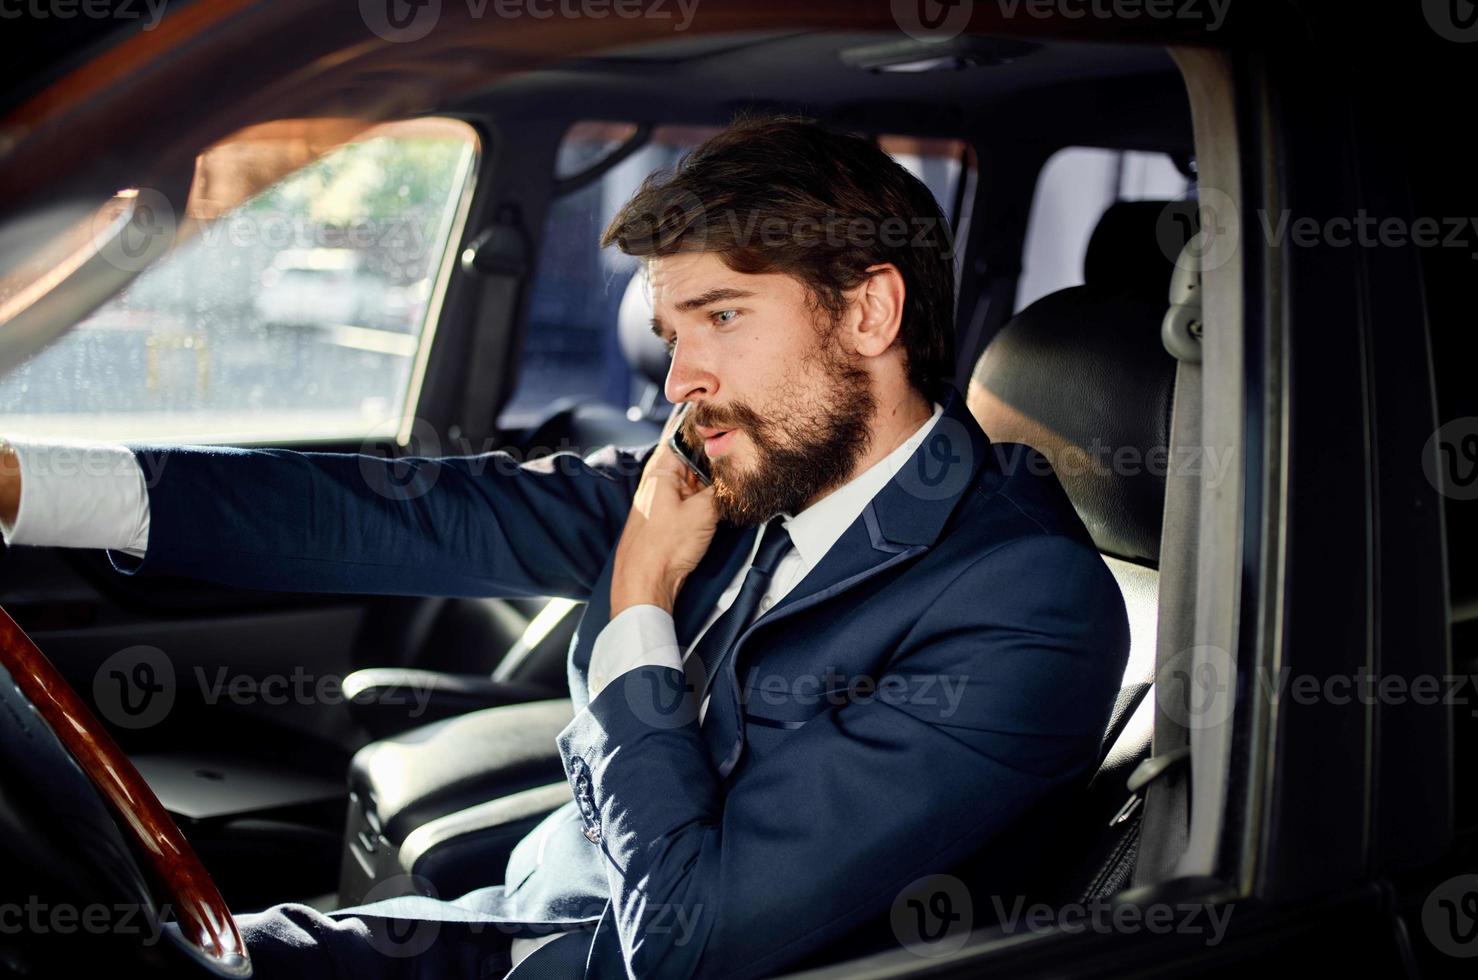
{"points": [[1017, 494], [1017, 546]]}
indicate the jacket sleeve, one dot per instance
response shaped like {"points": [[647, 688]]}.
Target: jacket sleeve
{"points": [[740, 880], [482, 525]]}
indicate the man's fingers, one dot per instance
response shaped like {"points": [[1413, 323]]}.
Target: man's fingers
{"points": [[702, 495], [691, 485]]}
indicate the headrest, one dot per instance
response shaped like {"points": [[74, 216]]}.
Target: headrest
{"points": [[1134, 246], [1083, 377], [641, 348]]}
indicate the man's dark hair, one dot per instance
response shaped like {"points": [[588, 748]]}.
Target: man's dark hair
{"points": [[785, 194]]}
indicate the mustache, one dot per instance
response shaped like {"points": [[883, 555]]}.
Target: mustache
{"points": [[734, 416]]}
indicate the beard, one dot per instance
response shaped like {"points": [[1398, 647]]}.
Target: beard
{"points": [[805, 446]]}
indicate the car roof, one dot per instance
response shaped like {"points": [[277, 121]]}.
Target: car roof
{"points": [[1045, 90]]}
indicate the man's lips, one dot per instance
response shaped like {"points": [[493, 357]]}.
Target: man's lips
{"points": [[715, 441]]}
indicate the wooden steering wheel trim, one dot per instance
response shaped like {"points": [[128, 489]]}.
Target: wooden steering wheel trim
{"points": [[204, 919]]}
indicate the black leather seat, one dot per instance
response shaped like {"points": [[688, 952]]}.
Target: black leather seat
{"points": [[416, 788], [392, 699], [1082, 376], [1079, 368]]}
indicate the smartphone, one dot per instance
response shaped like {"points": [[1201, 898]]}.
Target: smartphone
{"points": [[690, 456]]}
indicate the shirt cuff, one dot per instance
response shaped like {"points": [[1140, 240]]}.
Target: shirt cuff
{"points": [[80, 495], [640, 636]]}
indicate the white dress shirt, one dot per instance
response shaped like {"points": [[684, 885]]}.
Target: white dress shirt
{"points": [[81, 495]]}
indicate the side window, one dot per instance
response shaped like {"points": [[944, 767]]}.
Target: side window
{"points": [[1076, 186], [297, 315], [947, 167], [570, 349], [571, 352]]}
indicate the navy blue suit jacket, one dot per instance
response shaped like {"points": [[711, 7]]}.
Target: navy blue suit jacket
{"points": [[950, 662]]}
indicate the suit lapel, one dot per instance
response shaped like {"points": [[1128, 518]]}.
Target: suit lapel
{"points": [[907, 515], [900, 523]]}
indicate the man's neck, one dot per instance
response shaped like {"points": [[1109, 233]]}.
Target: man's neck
{"points": [[896, 419]]}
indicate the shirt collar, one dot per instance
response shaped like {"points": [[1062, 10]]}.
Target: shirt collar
{"points": [[814, 530]]}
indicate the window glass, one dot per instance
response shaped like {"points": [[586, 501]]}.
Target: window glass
{"points": [[1077, 185], [570, 344], [571, 352], [586, 144], [296, 315], [939, 163]]}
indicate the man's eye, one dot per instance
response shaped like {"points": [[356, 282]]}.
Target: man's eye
{"points": [[725, 316]]}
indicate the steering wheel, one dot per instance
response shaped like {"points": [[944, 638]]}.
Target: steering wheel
{"points": [[203, 924]]}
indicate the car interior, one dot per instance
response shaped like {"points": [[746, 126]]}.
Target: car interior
{"points": [[1068, 171]]}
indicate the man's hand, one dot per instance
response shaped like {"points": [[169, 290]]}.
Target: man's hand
{"points": [[672, 520], [10, 484]]}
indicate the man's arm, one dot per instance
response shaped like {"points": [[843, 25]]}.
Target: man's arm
{"points": [[714, 881], [348, 522]]}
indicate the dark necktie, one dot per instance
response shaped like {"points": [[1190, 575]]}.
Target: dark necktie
{"points": [[709, 663]]}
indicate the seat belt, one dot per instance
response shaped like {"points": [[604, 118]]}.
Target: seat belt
{"points": [[1163, 781], [499, 257]]}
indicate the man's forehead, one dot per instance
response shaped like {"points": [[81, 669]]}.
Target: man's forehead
{"points": [[672, 277], [685, 281]]}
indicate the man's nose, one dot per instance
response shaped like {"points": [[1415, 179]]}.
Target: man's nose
{"points": [[688, 377]]}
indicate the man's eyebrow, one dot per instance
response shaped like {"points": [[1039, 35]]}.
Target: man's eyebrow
{"points": [[718, 295]]}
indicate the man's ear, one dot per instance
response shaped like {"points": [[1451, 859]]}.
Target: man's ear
{"points": [[877, 310]]}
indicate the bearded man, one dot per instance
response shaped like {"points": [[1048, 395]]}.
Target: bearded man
{"points": [[874, 645]]}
